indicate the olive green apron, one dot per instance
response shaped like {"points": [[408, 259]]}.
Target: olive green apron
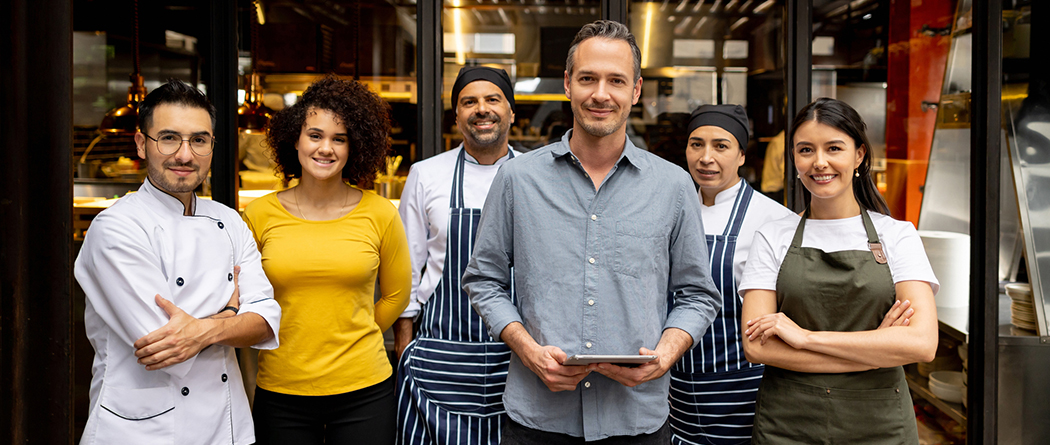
{"points": [[835, 291]]}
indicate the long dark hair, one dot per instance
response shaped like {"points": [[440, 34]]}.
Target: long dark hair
{"points": [[839, 115]]}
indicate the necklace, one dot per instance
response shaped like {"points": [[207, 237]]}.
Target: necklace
{"points": [[299, 207]]}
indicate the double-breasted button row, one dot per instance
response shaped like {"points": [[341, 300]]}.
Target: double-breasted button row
{"points": [[224, 378], [185, 391], [179, 281]]}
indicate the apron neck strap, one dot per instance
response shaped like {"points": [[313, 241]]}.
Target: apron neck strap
{"points": [[873, 237], [736, 218], [869, 227], [456, 200], [796, 242]]}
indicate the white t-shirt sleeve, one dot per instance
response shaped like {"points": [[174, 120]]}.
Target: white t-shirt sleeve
{"points": [[905, 253], [764, 258]]}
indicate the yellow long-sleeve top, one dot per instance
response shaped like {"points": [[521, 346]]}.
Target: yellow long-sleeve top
{"points": [[324, 275]]}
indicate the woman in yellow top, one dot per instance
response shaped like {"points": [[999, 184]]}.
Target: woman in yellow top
{"points": [[323, 244]]}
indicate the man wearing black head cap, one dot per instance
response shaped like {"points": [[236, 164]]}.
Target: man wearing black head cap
{"points": [[713, 387], [451, 377]]}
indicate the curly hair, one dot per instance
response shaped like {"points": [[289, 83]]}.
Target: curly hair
{"points": [[364, 114]]}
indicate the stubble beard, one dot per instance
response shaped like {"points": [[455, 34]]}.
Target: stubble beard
{"points": [[599, 129], [182, 185]]}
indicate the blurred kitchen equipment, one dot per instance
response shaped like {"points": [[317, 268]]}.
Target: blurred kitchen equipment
{"points": [[253, 115], [124, 119], [388, 184]]}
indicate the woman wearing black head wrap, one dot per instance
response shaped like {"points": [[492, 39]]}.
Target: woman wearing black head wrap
{"points": [[713, 386]]}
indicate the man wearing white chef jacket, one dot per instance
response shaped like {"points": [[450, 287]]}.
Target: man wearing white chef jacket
{"points": [[158, 271]]}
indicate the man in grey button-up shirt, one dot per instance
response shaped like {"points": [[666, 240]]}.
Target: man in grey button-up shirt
{"points": [[599, 234]]}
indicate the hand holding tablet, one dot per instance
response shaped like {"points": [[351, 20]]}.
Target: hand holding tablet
{"points": [[621, 360]]}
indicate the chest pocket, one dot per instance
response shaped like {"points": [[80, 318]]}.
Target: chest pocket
{"points": [[136, 415], [639, 248]]}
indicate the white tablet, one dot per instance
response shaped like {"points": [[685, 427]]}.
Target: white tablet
{"points": [[623, 360]]}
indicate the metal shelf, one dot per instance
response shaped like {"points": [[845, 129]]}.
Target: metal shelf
{"points": [[918, 385]]}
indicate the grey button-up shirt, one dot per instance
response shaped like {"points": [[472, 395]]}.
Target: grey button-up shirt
{"points": [[592, 272]]}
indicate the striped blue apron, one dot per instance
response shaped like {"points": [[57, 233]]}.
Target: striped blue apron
{"points": [[451, 377], [713, 387]]}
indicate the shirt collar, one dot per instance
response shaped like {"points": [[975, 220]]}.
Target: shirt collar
{"points": [[728, 194], [632, 155], [467, 157], [166, 201]]}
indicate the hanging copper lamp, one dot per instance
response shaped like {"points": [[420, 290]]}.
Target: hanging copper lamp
{"points": [[253, 115], [124, 119]]}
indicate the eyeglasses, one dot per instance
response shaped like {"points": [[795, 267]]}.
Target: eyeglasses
{"points": [[169, 143]]}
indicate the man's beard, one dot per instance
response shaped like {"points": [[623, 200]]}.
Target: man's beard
{"points": [[182, 185], [486, 139], [599, 128]]}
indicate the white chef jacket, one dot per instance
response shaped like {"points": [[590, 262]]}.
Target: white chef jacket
{"points": [[424, 210], [760, 210], [143, 246]]}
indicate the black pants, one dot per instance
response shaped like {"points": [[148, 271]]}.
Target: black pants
{"points": [[515, 433], [365, 416]]}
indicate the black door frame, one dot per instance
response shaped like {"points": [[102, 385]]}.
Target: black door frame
{"points": [[36, 215]]}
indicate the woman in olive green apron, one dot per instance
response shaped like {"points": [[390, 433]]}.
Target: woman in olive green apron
{"points": [[837, 300]]}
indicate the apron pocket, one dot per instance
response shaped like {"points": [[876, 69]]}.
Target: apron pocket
{"points": [[136, 415], [869, 416], [454, 376], [789, 412]]}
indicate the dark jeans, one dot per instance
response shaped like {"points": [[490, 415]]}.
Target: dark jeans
{"points": [[365, 416], [515, 433]]}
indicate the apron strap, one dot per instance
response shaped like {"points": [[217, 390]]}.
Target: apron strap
{"points": [[456, 200], [796, 242], [736, 218], [873, 238]]}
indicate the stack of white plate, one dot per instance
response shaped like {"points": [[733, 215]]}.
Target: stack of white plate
{"points": [[1022, 310], [947, 385]]}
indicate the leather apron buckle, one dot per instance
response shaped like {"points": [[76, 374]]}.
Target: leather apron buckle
{"points": [[876, 249]]}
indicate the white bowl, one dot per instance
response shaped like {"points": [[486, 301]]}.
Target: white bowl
{"points": [[1019, 291], [947, 385]]}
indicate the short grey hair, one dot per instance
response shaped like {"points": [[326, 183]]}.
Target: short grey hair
{"points": [[606, 29]]}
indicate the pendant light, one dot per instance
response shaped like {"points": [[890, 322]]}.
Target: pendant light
{"points": [[253, 115], [124, 119]]}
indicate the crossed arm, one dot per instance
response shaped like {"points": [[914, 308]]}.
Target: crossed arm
{"points": [[184, 335], [908, 334]]}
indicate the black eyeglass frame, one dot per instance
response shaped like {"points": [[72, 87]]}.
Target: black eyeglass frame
{"points": [[211, 148]]}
